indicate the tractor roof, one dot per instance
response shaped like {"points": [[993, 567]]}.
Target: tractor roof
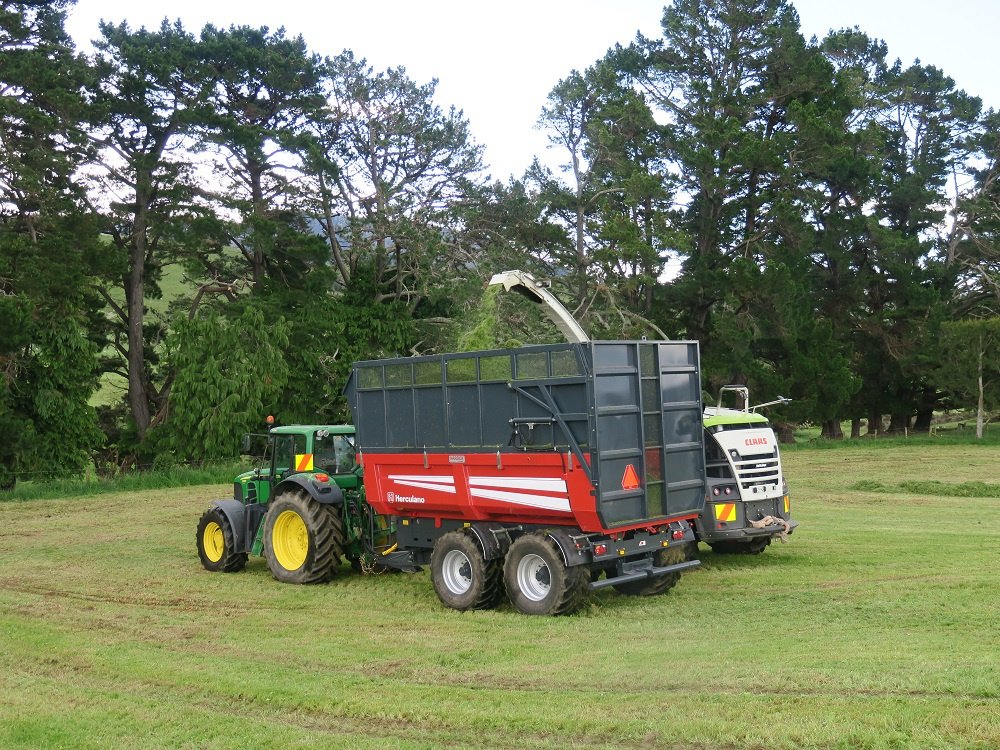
{"points": [[299, 429]]}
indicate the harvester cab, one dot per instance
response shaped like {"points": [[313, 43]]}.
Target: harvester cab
{"points": [[748, 503]]}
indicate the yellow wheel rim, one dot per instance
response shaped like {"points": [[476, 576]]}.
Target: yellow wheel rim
{"points": [[290, 540], [214, 541]]}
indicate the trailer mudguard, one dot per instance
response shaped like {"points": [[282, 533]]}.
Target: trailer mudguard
{"points": [[326, 492], [243, 520]]}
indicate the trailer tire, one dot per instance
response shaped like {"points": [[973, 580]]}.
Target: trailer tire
{"points": [[303, 539], [463, 579], [539, 582], [661, 584], [217, 543]]}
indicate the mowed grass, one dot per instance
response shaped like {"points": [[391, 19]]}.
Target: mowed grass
{"points": [[874, 627]]}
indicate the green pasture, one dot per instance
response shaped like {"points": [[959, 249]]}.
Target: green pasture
{"points": [[876, 626]]}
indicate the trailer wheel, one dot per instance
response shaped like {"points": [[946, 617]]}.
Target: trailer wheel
{"points": [[661, 584], [216, 543], [538, 582], [463, 579], [303, 539]]}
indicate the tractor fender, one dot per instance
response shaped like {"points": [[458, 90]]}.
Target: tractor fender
{"points": [[240, 522], [326, 493]]}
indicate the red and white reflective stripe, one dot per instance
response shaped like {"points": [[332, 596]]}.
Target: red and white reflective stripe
{"points": [[425, 482], [506, 490]]}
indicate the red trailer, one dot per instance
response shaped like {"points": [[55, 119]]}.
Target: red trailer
{"points": [[545, 471]]}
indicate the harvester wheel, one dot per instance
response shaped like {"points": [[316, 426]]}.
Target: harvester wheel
{"points": [[462, 578], [653, 586], [216, 543], [539, 582], [303, 539], [752, 547]]}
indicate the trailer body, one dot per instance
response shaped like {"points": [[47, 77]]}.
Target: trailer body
{"points": [[604, 436]]}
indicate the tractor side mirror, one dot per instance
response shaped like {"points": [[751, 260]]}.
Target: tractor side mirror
{"points": [[246, 445]]}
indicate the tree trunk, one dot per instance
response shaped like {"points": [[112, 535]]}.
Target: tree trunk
{"points": [[785, 433], [832, 430], [875, 424], [135, 295], [855, 428], [979, 407], [899, 424], [923, 421]]}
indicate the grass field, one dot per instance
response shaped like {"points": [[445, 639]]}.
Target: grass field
{"points": [[876, 626]]}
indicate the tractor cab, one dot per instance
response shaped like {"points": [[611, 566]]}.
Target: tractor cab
{"points": [[327, 452]]}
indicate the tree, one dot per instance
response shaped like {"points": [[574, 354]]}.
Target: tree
{"points": [[150, 89], [47, 362], [970, 363], [229, 373], [392, 172]]}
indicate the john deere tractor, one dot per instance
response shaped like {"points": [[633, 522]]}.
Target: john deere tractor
{"points": [[301, 507]]}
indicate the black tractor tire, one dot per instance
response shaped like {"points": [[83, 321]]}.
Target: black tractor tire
{"points": [[539, 582], [303, 538], [463, 579], [661, 584], [216, 544], [750, 547]]}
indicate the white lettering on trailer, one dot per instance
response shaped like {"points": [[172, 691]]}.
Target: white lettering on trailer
{"points": [[408, 499]]}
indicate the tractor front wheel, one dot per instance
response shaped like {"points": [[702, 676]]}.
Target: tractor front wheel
{"points": [[216, 543], [539, 582], [303, 539], [462, 577]]}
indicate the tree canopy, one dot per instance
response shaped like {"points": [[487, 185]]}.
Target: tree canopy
{"points": [[222, 221]]}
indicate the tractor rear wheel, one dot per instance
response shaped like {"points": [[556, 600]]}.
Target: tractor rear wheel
{"points": [[661, 584], [303, 539], [539, 582], [463, 579], [216, 543]]}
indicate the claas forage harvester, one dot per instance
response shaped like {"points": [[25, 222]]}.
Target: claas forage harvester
{"points": [[540, 473]]}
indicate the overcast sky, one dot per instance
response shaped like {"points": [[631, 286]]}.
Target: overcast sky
{"points": [[498, 61]]}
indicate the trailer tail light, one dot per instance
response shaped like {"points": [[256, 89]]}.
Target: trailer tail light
{"points": [[678, 534], [716, 491], [729, 490], [600, 549]]}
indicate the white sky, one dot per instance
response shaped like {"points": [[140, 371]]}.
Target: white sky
{"points": [[498, 61]]}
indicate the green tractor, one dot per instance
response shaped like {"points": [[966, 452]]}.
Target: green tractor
{"points": [[301, 507]]}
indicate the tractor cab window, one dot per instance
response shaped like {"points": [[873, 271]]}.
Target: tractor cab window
{"points": [[286, 447], [334, 454]]}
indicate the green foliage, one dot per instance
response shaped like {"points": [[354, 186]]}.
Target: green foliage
{"points": [[229, 374], [969, 356]]}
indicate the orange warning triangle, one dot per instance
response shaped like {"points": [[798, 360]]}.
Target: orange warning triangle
{"points": [[630, 480]]}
